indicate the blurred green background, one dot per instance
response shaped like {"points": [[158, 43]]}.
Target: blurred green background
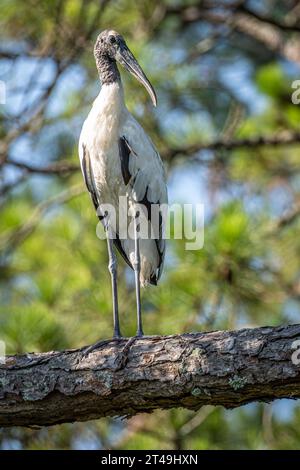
{"points": [[223, 72]]}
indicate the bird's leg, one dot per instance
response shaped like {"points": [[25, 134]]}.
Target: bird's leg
{"points": [[112, 267], [137, 271]]}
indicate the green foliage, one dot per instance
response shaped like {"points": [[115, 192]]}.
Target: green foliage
{"points": [[272, 81], [33, 325]]}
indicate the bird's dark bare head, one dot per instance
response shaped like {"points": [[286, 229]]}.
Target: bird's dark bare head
{"points": [[107, 44], [110, 47]]}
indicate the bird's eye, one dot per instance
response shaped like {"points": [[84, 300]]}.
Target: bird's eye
{"points": [[112, 40]]}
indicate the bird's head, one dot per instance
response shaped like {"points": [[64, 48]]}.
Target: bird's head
{"points": [[112, 46]]}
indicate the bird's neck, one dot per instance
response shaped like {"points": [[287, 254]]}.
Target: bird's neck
{"points": [[107, 69], [109, 107]]}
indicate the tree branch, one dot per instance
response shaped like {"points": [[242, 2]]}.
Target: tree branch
{"points": [[277, 140], [289, 27], [268, 32], [228, 368], [281, 139], [59, 168]]}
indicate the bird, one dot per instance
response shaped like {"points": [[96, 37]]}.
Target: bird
{"points": [[118, 159]]}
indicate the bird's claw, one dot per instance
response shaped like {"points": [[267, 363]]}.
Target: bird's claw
{"points": [[88, 349], [123, 356]]}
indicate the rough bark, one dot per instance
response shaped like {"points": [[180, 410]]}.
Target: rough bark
{"points": [[228, 368]]}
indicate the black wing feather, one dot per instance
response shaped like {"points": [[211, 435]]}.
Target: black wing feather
{"points": [[147, 205], [119, 247], [124, 153]]}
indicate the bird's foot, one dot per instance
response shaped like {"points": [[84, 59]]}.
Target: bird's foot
{"points": [[88, 349], [139, 334], [117, 334], [123, 356]]}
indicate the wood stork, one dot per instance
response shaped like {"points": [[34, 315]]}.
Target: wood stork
{"points": [[118, 159]]}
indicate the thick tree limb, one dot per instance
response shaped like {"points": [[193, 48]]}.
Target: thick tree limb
{"points": [[228, 368]]}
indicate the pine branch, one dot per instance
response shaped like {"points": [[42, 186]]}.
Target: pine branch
{"points": [[228, 368]]}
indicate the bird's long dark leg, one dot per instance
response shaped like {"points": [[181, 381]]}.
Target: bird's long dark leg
{"points": [[137, 271], [112, 267]]}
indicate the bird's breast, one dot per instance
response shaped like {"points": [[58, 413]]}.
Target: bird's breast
{"points": [[100, 134]]}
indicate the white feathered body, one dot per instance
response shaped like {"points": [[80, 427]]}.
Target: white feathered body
{"points": [[108, 121]]}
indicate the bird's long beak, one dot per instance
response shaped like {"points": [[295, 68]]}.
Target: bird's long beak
{"points": [[125, 57]]}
